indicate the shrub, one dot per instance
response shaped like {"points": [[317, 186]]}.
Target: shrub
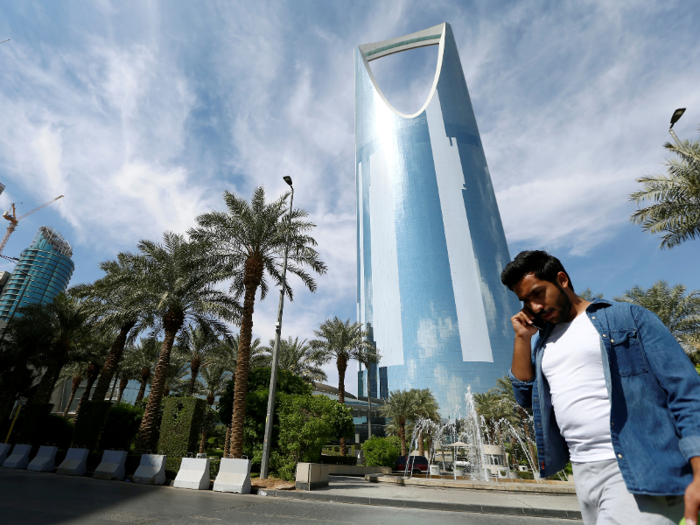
{"points": [[91, 421], [380, 452], [58, 430], [180, 429], [306, 423], [33, 423], [337, 460], [123, 421], [256, 408]]}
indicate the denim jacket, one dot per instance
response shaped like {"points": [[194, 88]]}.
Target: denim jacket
{"points": [[654, 393]]}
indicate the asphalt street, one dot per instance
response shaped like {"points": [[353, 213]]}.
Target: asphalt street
{"points": [[32, 498]]}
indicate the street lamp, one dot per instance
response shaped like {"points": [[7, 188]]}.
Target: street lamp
{"points": [[269, 419], [675, 118]]}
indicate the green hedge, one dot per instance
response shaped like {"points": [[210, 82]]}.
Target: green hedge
{"points": [[180, 430], [380, 452], [33, 429], [58, 431], [91, 421], [121, 427], [338, 460]]}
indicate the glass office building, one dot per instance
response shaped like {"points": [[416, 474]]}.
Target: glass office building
{"points": [[43, 271], [431, 245]]}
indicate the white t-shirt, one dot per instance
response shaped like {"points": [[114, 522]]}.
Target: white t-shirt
{"points": [[573, 366]]}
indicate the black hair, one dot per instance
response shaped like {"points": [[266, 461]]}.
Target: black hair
{"points": [[545, 267]]}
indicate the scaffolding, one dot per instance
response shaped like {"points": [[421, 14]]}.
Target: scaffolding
{"points": [[55, 239]]}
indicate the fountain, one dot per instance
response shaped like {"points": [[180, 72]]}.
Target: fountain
{"points": [[486, 445]]}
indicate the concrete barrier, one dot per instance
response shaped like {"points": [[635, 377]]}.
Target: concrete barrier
{"points": [[112, 466], [19, 457], [44, 461], [4, 451], [311, 476], [234, 476], [193, 474], [151, 470], [356, 470], [75, 463]]}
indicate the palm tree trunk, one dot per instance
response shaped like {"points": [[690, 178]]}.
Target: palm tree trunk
{"points": [[342, 365], [77, 378], [92, 371], [402, 435], [172, 322], [421, 445], [115, 355], [227, 441], [123, 382], [145, 376], [114, 385], [194, 372], [251, 280]]}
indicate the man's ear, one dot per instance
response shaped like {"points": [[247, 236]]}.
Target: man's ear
{"points": [[563, 280]]}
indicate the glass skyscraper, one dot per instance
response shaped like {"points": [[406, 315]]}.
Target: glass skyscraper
{"points": [[43, 271], [431, 245]]}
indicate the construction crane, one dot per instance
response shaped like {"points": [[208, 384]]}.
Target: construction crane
{"points": [[11, 215]]}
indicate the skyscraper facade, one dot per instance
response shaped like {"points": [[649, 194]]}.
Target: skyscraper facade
{"points": [[431, 245], [43, 271]]}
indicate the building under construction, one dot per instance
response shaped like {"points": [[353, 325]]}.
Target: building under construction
{"points": [[43, 271]]}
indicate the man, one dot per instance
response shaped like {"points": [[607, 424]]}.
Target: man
{"points": [[612, 391]]}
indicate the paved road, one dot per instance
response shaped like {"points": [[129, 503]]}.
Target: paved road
{"points": [[30, 498]]}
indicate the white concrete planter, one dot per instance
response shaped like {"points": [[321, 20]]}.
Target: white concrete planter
{"points": [[112, 466], [151, 470], [45, 460], [19, 457], [233, 476], [193, 474], [75, 463]]}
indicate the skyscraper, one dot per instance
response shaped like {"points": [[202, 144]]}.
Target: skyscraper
{"points": [[431, 245], [43, 271]]}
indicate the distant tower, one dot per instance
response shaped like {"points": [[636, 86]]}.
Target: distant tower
{"points": [[431, 245], [43, 271]]}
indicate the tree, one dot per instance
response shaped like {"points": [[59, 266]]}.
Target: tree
{"points": [[297, 357], [370, 356], [68, 320], [177, 286], [212, 383], [425, 407], [676, 197], [588, 295], [138, 364], [400, 408], [198, 344], [247, 243], [227, 353], [504, 389], [110, 300], [341, 341], [678, 311]]}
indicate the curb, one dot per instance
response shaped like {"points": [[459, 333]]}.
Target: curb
{"points": [[473, 485], [428, 505]]}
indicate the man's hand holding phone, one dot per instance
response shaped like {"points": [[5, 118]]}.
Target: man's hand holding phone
{"points": [[525, 324]]}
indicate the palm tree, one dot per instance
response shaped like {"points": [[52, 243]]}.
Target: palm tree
{"points": [[297, 357], [198, 344], [69, 320], [676, 197], [341, 341], [110, 301], [588, 295], [426, 407], [227, 353], [678, 311], [212, 384], [247, 242], [400, 408], [138, 364], [74, 373], [368, 358], [177, 287]]}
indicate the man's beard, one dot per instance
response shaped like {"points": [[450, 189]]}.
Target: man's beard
{"points": [[563, 306]]}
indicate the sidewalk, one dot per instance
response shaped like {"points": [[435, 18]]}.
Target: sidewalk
{"points": [[357, 490]]}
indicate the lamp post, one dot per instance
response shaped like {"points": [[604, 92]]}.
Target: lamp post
{"points": [[675, 118], [269, 419]]}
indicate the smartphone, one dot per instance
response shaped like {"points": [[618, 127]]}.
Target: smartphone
{"points": [[538, 322]]}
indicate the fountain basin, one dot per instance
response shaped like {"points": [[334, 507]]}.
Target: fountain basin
{"points": [[506, 485]]}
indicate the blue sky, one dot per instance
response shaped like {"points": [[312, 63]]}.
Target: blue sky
{"points": [[143, 113]]}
